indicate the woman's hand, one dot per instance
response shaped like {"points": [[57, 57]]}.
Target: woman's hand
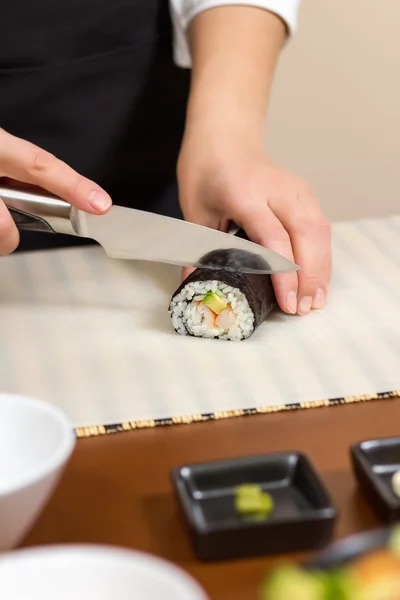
{"points": [[223, 172], [225, 178], [24, 162]]}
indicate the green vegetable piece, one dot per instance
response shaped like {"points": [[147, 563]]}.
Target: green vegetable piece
{"points": [[214, 302], [394, 540], [292, 583], [254, 518], [249, 489], [339, 585], [251, 500]]}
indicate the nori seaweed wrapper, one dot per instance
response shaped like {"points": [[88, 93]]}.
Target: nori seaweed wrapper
{"points": [[257, 289]]}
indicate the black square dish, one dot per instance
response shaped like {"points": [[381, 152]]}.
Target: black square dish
{"points": [[374, 464], [303, 516]]}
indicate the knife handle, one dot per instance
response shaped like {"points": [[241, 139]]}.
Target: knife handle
{"points": [[37, 211]]}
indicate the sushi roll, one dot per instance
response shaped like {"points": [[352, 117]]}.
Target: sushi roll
{"points": [[223, 304]]}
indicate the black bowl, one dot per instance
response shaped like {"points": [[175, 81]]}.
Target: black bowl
{"points": [[303, 517], [374, 464]]}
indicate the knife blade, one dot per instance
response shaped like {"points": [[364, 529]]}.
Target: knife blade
{"points": [[126, 233]]}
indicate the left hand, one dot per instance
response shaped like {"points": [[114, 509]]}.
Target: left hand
{"points": [[229, 178]]}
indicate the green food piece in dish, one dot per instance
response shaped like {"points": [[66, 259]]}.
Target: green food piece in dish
{"points": [[255, 517], [394, 540], [251, 500], [292, 583], [339, 585], [215, 302]]}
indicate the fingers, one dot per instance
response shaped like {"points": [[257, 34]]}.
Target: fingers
{"points": [[9, 236], [264, 228], [310, 236], [25, 162]]}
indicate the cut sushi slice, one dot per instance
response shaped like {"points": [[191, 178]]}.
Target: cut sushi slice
{"points": [[222, 304]]}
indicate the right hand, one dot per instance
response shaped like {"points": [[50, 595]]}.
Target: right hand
{"points": [[24, 162]]}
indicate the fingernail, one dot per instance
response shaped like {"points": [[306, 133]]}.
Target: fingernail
{"points": [[291, 302], [99, 201], [319, 299], [304, 305]]}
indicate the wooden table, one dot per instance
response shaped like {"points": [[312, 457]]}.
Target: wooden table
{"points": [[116, 489]]}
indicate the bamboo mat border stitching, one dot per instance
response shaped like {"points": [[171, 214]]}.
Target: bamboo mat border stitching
{"points": [[97, 430]]}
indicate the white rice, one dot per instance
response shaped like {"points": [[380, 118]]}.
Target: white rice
{"points": [[188, 319]]}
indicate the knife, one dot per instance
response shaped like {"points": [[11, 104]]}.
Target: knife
{"points": [[128, 233]]}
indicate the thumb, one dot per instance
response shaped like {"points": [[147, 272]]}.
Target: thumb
{"points": [[200, 216], [186, 271], [264, 228]]}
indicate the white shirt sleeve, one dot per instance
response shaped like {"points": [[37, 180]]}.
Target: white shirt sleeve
{"points": [[183, 11]]}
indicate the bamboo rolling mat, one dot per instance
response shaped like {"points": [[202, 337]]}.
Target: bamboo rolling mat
{"points": [[93, 336]]}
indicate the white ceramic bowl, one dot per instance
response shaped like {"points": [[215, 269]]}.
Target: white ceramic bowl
{"points": [[92, 573], [36, 441]]}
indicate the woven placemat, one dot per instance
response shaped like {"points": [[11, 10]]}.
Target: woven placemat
{"points": [[95, 430], [92, 336]]}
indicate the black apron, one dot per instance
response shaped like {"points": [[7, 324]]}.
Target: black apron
{"points": [[93, 82]]}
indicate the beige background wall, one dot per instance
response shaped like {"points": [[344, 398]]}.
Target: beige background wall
{"points": [[335, 110]]}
